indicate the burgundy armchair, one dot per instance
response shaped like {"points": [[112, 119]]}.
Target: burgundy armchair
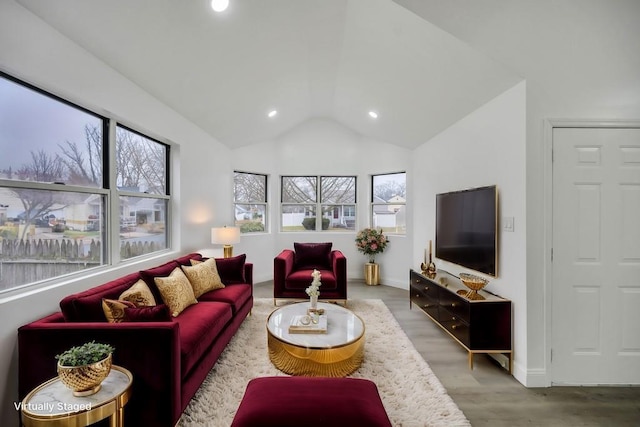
{"points": [[292, 272]]}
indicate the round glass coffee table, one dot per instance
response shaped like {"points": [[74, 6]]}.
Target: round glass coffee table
{"points": [[335, 353]]}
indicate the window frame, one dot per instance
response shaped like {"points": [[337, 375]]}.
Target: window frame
{"points": [[375, 204], [264, 203], [318, 203], [141, 194], [107, 190]]}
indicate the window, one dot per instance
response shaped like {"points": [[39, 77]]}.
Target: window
{"points": [[389, 199], [141, 180], [250, 201], [55, 188], [303, 196]]}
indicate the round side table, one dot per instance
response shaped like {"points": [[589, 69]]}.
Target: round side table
{"points": [[52, 404]]}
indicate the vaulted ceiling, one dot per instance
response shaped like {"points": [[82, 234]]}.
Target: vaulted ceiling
{"points": [[336, 59]]}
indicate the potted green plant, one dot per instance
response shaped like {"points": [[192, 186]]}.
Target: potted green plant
{"points": [[83, 368]]}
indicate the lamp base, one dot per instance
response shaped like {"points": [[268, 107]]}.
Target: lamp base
{"points": [[228, 251]]}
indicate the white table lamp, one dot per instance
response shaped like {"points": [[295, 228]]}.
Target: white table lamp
{"points": [[226, 236]]}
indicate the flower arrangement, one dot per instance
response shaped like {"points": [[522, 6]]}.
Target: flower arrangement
{"points": [[371, 242], [313, 289]]}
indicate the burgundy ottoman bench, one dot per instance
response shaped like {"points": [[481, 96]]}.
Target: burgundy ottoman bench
{"points": [[311, 402]]}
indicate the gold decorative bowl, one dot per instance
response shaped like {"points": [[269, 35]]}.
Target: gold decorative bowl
{"points": [[474, 283], [85, 380]]}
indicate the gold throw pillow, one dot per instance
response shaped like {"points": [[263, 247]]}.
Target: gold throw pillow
{"points": [[114, 309], [139, 294], [203, 276], [176, 291]]}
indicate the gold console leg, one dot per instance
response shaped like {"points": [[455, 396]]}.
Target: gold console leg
{"points": [[470, 361]]}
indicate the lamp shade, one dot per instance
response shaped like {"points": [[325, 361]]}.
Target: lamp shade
{"points": [[225, 235]]}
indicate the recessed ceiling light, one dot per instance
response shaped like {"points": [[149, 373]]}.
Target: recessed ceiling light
{"points": [[373, 114], [272, 113], [219, 5]]}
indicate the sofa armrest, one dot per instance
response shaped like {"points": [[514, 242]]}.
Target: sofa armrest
{"points": [[339, 267], [150, 350], [282, 267], [248, 273]]}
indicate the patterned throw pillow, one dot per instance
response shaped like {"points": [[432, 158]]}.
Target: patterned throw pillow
{"points": [[139, 294], [176, 291], [114, 309], [203, 276]]}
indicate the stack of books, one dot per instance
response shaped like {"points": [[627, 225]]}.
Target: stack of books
{"points": [[303, 324]]}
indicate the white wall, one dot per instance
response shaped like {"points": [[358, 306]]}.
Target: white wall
{"points": [[325, 147], [485, 148], [580, 60], [34, 52]]}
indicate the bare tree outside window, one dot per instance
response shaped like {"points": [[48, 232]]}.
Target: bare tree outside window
{"points": [[141, 179], [333, 196], [250, 201], [140, 162]]}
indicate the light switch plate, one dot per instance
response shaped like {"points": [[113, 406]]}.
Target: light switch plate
{"points": [[507, 223]]}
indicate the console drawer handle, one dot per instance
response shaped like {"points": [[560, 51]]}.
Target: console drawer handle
{"points": [[453, 305], [454, 327], [426, 288]]}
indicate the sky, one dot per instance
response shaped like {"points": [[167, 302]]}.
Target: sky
{"points": [[30, 121]]}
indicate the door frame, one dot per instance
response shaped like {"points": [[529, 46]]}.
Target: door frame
{"points": [[549, 126]]}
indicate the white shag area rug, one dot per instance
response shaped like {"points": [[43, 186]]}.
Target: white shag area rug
{"points": [[412, 395]]}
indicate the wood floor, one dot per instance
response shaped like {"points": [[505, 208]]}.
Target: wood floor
{"points": [[488, 395]]}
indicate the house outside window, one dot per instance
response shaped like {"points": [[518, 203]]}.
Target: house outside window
{"points": [[250, 201], [302, 197], [55, 188], [389, 202]]}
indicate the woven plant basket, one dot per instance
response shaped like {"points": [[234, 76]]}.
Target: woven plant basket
{"points": [[85, 380]]}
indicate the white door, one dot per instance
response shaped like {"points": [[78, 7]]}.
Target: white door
{"points": [[596, 256]]}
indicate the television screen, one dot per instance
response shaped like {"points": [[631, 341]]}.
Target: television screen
{"points": [[466, 228]]}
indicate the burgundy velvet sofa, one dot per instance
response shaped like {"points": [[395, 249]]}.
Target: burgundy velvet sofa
{"points": [[292, 272], [169, 359]]}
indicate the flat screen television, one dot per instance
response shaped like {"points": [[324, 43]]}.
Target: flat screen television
{"points": [[466, 228]]}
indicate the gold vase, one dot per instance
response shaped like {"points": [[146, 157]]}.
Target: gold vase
{"points": [[372, 273], [85, 380]]}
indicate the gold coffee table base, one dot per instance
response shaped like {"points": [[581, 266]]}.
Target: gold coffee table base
{"points": [[312, 362]]}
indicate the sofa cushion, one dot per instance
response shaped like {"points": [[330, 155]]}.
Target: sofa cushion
{"points": [[231, 270], [114, 309], [139, 294], [157, 313], [160, 271], [203, 276], [301, 279], [235, 295], [186, 259], [86, 306], [176, 291], [312, 255], [200, 324]]}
